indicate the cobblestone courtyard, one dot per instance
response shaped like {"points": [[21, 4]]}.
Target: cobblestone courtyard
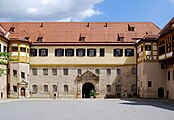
{"points": [[114, 109]]}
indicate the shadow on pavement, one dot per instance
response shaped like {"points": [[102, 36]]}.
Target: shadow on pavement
{"points": [[160, 103]]}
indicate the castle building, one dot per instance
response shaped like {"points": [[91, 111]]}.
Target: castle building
{"points": [[69, 59]]}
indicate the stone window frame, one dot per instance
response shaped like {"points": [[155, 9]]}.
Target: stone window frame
{"points": [[66, 88], [45, 88], [34, 89], [108, 88]]}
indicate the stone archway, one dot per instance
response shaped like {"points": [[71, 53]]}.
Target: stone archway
{"points": [[160, 92], [22, 92], [86, 88]]}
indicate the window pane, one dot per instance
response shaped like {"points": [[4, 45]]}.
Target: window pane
{"points": [[33, 52], [108, 88], [14, 49], [97, 71], [59, 52], [91, 52], [65, 88], [118, 71], [54, 71], [23, 49], [43, 52], [23, 75], [65, 71], [80, 52], [45, 71], [34, 71], [69, 52], [129, 52], [79, 71], [45, 88], [118, 52], [102, 52], [54, 88], [34, 89], [108, 71]]}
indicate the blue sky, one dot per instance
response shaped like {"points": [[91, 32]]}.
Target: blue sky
{"points": [[156, 11]]}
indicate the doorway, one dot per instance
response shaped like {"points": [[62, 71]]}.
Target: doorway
{"points": [[23, 92], [86, 88], [160, 92]]}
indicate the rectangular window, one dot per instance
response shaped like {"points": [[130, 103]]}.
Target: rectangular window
{"points": [[97, 71], [102, 52], [118, 71], [54, 71], [5, 49], [79, 71], [23, 75], [69, 52], [148, 47], [0, 47], [118, 52], [162, 50], [108, 71], [14, 88], [173, 75], [59, 52], [65, 71], [22, 49], [14, 49], [149, 83], [168, 75], [15, 73], [43, 52], [33, 52], [40, 39], [34, 71], [45, 71], [80, 52], [91, 52], [129, 52], [82, 39]]}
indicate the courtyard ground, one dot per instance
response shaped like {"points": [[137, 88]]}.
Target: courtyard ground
{"points": [[96, 109]]}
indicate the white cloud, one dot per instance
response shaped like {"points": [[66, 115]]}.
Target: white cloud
{"points": [[48, 10]]}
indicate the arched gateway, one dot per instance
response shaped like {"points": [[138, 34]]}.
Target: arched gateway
{"points": [[86, 88], [85, 83]]}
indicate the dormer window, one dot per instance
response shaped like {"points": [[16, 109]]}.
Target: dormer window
{"points": [[12, 29], [120, 37], [130, 28], [40, 39], [27, 38], [82, 39]]}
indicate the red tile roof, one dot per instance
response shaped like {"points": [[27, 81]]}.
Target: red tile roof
{"points": [[70, 32]]}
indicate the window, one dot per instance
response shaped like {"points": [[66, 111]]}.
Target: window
{"points": [[133, 71], [43, 52], [14, 88], [69, 52], [14, 49], [34, 89], [59, 52], [133, 88], [33, 52], [149, 83], [54, 71], [80, 52], [54, 88], [15, 73], [12, 29], [27, 38], [82, 39], [40, 39], [79, 71], [65, 88], [97, 71], [162, 66], [65, 71], [162, 50], [168, 75], [22, 49], [129, 52], [45, 88], [91, 52], [23, 75], [102, 52], [118, 71], [108, 87], [5, 49], [131, 28], [118, 88], [148, 47], [45, 71], [0, 47], [108, 71], [118, 52], [173, 75], [34, 71]]}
